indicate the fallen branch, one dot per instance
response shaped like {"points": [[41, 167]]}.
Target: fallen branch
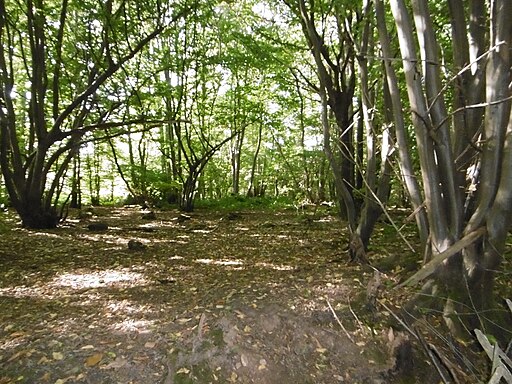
{"points": [[432, 265]]}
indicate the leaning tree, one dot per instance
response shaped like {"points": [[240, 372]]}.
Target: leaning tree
{"points": [[55, 60]]}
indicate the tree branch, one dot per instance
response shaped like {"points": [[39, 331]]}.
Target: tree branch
{"points": [[429, 268]]}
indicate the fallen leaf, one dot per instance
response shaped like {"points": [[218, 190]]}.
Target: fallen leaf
{"points": [[116, 364], [43, 360], [16, 355], [93, 360], [239, 314], [57, 356], [85, 347], [183, 370], [150, 344], [263, 365]]}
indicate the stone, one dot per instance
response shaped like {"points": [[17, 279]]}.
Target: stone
{"points": [[97, 227], [136, 245]]}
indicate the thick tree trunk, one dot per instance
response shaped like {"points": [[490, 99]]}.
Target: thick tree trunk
{"points": [[188, 193], [34, 215]]}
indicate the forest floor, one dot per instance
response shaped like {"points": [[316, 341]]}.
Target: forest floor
{"points": [[239, 297]]}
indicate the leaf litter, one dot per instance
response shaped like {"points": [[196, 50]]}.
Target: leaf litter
{"points": [[205, 300]]}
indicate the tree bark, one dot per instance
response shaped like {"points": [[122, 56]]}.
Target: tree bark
{"points": [[405, 162]]}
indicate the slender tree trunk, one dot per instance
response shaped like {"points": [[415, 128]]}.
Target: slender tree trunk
{"points": [[406, 168], [494, 203], [441, 237], [76, 190], [376, 184], [236, 161], [253, 190]]}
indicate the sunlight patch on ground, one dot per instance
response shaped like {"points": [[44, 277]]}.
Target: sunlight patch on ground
{"points": [[119, 241], [276, 267], [150, 225], [219, 262], [231, 263], [99, 279], [21, 291], [79, 281], [202, 230], [97, 237], [131, 325], [44, 234]]}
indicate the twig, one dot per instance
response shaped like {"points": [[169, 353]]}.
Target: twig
{"points": [[339, 322], [357, 318], [402, 323], [433, 358], [448, 364], [201, 325]]}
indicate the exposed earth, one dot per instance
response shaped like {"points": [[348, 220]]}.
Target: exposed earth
{"points": [[238, 297]]}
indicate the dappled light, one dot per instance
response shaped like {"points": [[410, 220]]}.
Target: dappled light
{"points": [[43, 234], [110, 278], [220, 262], [276, 267], [130, 325], [111, 306], [255, 191], [63, 284]]}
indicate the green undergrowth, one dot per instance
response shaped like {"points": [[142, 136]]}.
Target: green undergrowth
{"points": [[238, 202]]}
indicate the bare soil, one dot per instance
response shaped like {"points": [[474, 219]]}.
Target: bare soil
{"points": [[240, 297]]}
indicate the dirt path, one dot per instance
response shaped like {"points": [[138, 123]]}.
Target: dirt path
{"points": [[214, 298]]}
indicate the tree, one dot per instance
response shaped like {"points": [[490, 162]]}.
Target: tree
{"points": [[340, 36], [54, 61], [465, 239]]}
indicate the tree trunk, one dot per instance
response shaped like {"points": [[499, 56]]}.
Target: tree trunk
{"points": [[404, 157], [188, 193], [253, 190], [76, 189]]}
